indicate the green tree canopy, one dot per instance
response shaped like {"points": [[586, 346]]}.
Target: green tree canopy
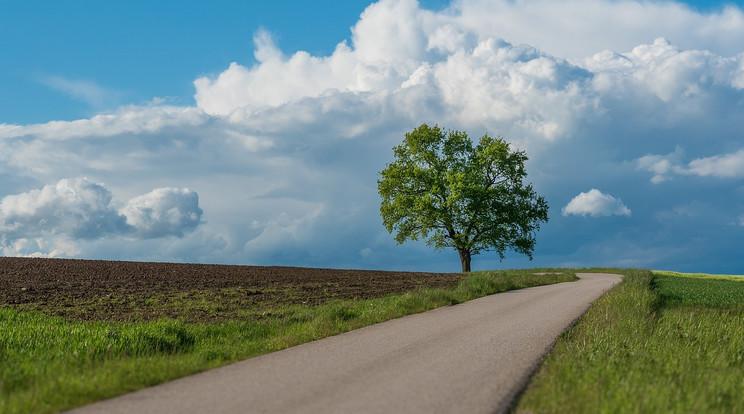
{"points": [[443, 188]]}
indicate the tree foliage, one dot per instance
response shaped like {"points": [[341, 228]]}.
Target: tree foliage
{"points": [[443, 188]]}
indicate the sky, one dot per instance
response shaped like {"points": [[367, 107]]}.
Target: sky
{"points": [[253, 132]]}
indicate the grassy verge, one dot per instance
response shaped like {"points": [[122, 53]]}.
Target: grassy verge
{"points": [[656, 343], [49, 363]]}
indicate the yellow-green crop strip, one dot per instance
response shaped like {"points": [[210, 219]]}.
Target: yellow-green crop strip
{"points": [[736, 278]]}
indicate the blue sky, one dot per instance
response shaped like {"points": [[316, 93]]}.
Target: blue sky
{"points": [[252, 132]]}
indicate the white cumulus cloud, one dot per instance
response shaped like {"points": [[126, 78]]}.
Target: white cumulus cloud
{"points": [[163, 212], [578, 28], [48, 221], [595, 203], [77, 208]]}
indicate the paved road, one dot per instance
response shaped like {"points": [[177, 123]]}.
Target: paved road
{"points": [[473, 357]]}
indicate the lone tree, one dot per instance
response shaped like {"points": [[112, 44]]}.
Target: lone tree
{"points": [[443, 188]]}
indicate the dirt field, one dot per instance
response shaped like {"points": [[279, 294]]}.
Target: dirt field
{"points": [[108, 290]]}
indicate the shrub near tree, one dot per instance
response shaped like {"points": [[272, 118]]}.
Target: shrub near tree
{"points": [[442, 188]]}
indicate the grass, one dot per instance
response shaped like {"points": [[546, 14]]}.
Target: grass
{"points": [[49, 363], [655, 343]]}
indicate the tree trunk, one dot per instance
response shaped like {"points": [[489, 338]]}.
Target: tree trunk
{"points": [[465, 260]]}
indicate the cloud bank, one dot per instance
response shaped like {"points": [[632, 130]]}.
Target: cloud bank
{"points": [[285, 152]]}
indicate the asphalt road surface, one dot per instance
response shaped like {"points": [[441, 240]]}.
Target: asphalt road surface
{"points": [[469, 358]]}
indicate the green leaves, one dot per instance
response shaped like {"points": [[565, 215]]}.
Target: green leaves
{"points": [[442, 188]]}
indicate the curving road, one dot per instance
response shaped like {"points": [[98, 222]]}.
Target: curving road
{"points": [[473, 357]]}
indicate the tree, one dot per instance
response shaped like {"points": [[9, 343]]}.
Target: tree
{"points": [[442, 188]]}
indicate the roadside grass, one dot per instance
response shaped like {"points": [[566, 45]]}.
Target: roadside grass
{"points": [[49, 363], [654, 344]]}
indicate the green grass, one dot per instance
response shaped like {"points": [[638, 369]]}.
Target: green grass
{"points": [[48, 363], [653, 344]]}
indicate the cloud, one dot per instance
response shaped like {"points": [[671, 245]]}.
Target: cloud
{"points": [[48, 220], [393, 38], [668, 73], [579, 28], [729, 165], [125, 120], [490, 82], [726, 165], [465, 74], [595, 203], [78, 208], [662, 166], [285, 152], [48, 246], [163, 212], [87, 91]]}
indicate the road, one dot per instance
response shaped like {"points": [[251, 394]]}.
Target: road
{"points": [[473, 357]]}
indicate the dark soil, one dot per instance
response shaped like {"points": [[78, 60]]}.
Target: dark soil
{"points": [[128, 291]]}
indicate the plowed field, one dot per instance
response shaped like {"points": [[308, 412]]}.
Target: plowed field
{"points": [[127, 291]]}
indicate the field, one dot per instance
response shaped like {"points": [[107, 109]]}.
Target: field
{"points": [[708, 293], [655, 343], [736, 278], [134, 291], [73, 331]]}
